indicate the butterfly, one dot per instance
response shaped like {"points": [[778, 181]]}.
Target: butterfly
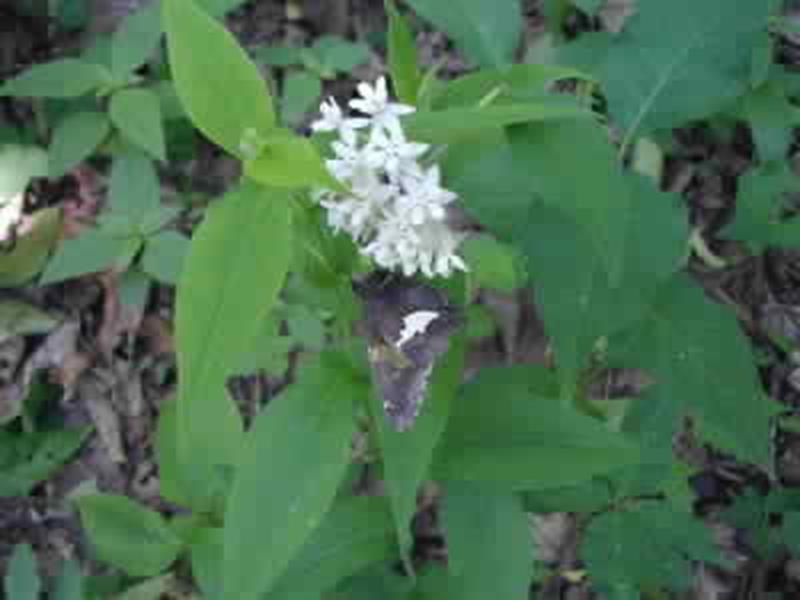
{"points": [[408, 325]]}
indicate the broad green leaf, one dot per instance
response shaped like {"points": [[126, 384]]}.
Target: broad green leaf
{"points": [[402, 57], [489, 185], [222, 90], [137, 114], [279, 56], [151, 589], [381, 581], [91, 252], [28, 458], [651, 545], [486, 32], [772, 118], [75, 138], [508, 431], [569, 280], [301, 92], [20, 317], [356, 533], [206, 555], [236, 265], [32, 249], [492, 264], [407, 455], [164, 255], [704, 367], [68, 584], [291, 466], [523, 82], [289, 161], [22, 579], [457, 124], [337, 54], [489, 545], [128, 535], [760, 198], [172, 481], [647, 68], [18, 164], [586, 497], [599, 200], [134, 187], [66, 78], [135, 39]]}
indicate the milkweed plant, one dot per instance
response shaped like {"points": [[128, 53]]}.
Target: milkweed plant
{"points": [[393, 209]]}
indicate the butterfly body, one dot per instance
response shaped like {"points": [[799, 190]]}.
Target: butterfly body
{"points": [[408, 325]]}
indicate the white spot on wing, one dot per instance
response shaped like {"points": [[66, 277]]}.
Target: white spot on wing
{"points": [[414, 323]]}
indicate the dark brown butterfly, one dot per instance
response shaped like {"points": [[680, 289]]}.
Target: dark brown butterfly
{"points": [[408, 326]]}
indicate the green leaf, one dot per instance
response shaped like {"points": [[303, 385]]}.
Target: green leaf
{"points": [[137, 114], [32, 250], [402, 57], [128, 535], [509, 430], [337, 54], [647, 68], [75, 138], [456, 124], [134, 187], [93, 251], [703, 365], [236, 265], [222, 90], [570, 282], [68, 584], [772, 118], [19, 317], [18, 164], [600, 200], [381, 581], [172, 482], [486, 32], [651, 545], [760, 198], [524, 82], [407, 455], [206, 559], [356, 533], [279, 56], [289, 161], [164, 255], [292, 463], [26, 459], [22, 580], [490, 185], [66, 78], [488, 541], [492, 264], [301, 91], [135, 40]]}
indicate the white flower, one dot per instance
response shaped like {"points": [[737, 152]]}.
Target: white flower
{"points": [[333, 120], [375, 102], [395, 209], [394, 152], [10, 215]]}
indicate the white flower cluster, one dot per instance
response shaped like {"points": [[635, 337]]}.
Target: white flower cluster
{"points": [[395, 208]]}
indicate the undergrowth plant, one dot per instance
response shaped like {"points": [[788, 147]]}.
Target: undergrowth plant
{"points": [[558, 167]]}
